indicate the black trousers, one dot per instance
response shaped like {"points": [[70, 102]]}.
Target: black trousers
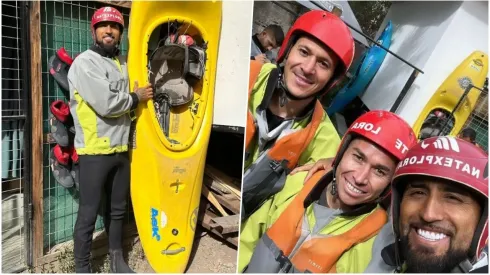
{"points": [[109, 174]]}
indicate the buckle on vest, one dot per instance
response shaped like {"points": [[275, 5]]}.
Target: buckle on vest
{"points": [[277, 166], [284, 262]]}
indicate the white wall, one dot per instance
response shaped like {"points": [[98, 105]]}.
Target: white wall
{"points": [[467, 32], [230, 100], [417, 29]]}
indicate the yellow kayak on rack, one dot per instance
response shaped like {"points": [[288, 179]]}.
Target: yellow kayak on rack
{"points": [[173, 46], [435, 118]]}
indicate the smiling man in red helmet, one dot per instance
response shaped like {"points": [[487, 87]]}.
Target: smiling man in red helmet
{"points": [[100, 103], [329, 224], [439, 209], [286, 124]]}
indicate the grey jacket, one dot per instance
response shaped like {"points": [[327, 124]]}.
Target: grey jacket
{"points": [[100, 103], [254, 49]]}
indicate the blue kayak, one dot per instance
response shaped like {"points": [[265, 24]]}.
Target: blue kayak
{"points": [[370, 63]]}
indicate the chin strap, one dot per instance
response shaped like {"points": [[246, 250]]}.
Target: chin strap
{"points": [[398, 264], [334, 191], [285, 94], [463, 267], [282, 99]]}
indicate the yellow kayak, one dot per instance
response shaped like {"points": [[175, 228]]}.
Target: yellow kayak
{"points": [[174, 46], [437, 112]]}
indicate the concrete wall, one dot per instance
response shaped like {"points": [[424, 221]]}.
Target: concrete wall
{"points": [[230, 101], [467, 32], [417, 30]]}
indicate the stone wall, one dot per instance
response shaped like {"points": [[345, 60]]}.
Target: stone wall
{"points": [[268, 12]]}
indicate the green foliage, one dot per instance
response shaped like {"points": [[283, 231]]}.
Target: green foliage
{"points": [[370, 14]]}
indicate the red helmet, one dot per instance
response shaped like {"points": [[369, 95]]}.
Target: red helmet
{"points": [[385, 129], [452, 159], [329, 29], [107, 14]]}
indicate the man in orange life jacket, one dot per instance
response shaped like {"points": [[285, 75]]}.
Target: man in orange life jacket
{"points": [[439, 210], [286, 124], [328, 224]]}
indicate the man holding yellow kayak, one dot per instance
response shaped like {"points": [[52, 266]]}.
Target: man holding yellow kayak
{"points": [[100, 104], [329, 223], [286, 124]]}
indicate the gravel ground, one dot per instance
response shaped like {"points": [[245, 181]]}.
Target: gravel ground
{"points": [[212, 256]]}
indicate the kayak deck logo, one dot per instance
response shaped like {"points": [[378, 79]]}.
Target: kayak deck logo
{"points": [[155, 231]]}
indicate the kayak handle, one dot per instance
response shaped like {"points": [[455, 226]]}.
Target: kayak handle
{"points": [[173, 252]]}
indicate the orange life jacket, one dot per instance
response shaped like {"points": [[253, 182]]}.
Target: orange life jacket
{"points": [[266, 177], [317, 255]]}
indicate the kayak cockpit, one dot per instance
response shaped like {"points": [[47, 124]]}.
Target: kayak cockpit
{"points": [[176, 67]]}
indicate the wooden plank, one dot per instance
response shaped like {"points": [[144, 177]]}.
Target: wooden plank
{"points": [[206, 223], [211, 198], [226, 224], [230, 202], [226, 180], [123, 4], [215, 185], [37, 130]]}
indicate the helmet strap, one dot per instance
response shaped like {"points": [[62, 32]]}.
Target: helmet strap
{"points": [[334, 191], [473, 254], [282, 99], [463, 267], [285, 95], [398, 261]]}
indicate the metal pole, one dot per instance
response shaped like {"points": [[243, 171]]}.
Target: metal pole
{"points": [[370, 39], [404, 91]]}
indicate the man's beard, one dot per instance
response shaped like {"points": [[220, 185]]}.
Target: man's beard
{"points": [[423, 261], [110, 50]]}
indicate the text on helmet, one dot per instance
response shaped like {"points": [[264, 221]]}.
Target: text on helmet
{"points": [[443, 143], [108, 15], [441, 161], [401, 146], [367, 127]]}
